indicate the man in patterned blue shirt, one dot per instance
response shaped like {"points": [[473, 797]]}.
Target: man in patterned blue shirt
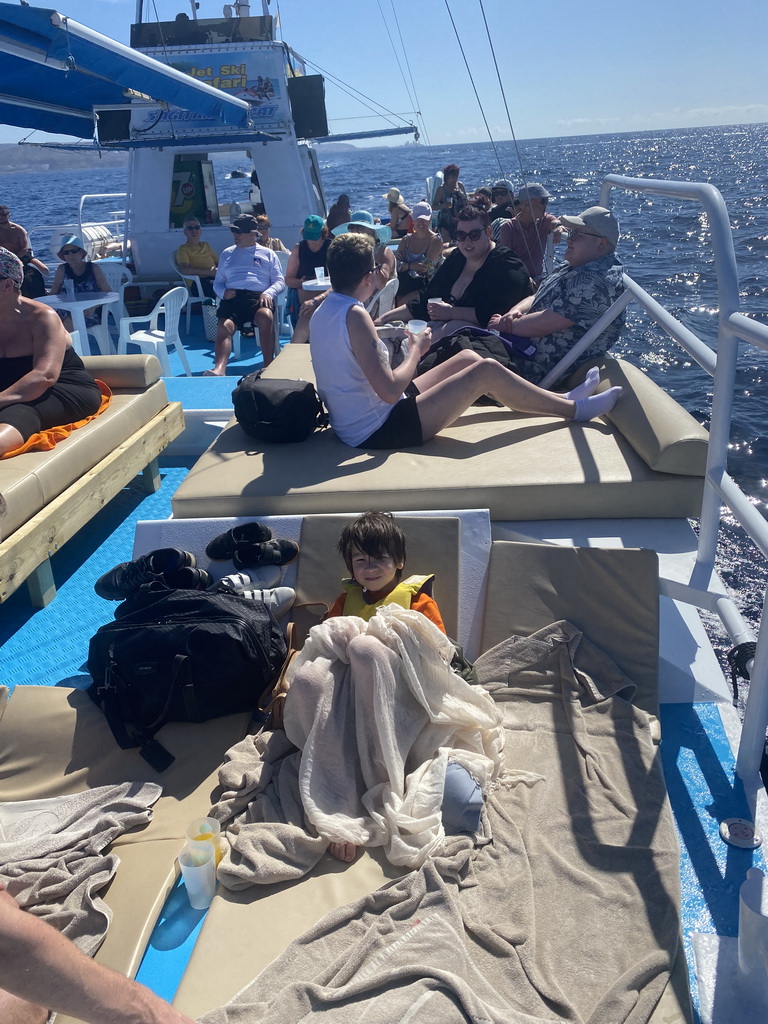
{"points": [[572, 299]]}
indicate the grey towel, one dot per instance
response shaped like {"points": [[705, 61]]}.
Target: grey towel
{"points": [[569, 914], [51, 854]]}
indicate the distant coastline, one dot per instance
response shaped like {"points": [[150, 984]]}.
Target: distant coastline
{"points": [[16, 159]]}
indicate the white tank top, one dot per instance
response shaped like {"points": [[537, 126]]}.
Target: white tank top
{"points": [[354, 408]]}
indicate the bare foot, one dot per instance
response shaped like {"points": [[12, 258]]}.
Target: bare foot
{"points": [[213, 373], [343, 851]]}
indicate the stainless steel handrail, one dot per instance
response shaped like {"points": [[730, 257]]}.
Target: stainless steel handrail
{"points": [[718, 485]]}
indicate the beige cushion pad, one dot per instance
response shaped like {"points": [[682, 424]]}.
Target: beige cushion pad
{"points": [[28, 482], [612, 595], [244, 931], [55, 741], [125, 371], [518, 467], [663, 434], [146, 874], [432, 546]]}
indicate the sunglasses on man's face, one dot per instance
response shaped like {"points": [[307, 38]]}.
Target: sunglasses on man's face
{"points": [[69, 252], [472, 236], [192, 227]]}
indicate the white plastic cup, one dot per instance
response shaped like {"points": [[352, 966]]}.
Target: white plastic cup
{"points": [[319, 274], [203, 830], [69, 288], [197, 861], [416, 326]]}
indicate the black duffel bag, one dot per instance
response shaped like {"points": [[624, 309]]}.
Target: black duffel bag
{"points": [[277, 411], [181, 656]]}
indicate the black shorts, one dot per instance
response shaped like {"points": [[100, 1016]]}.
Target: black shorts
{"points": [[402, 428], [73, 397], [241, 309]]}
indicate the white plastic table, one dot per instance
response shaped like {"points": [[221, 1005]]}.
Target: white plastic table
{"points": [[76, 308], [314, 285]]}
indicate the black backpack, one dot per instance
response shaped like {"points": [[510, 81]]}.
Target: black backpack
{"points": [[277, 411], [181, 656]]}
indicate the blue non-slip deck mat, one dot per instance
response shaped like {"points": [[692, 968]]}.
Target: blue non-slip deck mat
{"points": [[49, 646]]}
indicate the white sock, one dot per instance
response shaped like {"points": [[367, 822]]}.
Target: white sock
{"points": [[596, 405], [587, 387]]}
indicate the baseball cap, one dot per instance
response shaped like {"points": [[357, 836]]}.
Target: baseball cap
{"points": [[503, 183], [596, 219], [313, 227], [245, 222], [533, 191], [421, 211]]}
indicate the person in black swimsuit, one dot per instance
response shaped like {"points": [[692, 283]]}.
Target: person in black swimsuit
{"points": [[43, 382]]}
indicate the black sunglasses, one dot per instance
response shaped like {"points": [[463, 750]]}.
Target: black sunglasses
{"points": [[473, 235], [193, 227], [69, 252]]}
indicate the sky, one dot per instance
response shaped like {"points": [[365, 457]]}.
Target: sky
{"points": [[567, 67]]}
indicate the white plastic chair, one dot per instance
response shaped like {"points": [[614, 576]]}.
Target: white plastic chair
{"points": [[117, 277], [384, 299], [194, 287], [153, 339]]}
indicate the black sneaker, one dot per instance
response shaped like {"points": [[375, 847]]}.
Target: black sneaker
{"points": [[225, 545], [187, 578], [129, 577], [271, 552]]}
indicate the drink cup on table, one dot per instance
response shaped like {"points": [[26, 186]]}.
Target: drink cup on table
{"points": [[320, 274]]}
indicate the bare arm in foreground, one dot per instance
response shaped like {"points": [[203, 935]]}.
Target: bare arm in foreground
{"points": [[39, 964]]}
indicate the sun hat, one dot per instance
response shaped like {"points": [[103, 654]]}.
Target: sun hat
{"points": [[503, 183], [394, 196], [533, 191], [313, 228], [246, 222], [598, 220], [421, 211], [11, 267], [363, 219], [75, 240]]}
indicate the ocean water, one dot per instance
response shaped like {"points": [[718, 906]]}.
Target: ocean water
{"points": [[664, 246]]}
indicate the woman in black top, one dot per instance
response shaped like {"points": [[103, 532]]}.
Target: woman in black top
{"points": [[477, 280]]}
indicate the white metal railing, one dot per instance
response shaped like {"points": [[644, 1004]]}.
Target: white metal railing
{"points": [[719, 487], [115, 222]]}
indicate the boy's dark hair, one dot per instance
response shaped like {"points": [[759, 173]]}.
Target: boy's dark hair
{"points": [[349, 259], [375, 534]]}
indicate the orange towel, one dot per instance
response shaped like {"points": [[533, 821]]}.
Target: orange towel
{"points": [[47, 439]]}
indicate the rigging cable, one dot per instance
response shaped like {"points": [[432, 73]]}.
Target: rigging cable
{"points": [[523, 176], [350, 90], [410, 75], [168, 62], [411, 91], [474, 87]]}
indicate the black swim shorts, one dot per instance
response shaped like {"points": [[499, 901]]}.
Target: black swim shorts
{"points": [[402, 428], [241, 309]]}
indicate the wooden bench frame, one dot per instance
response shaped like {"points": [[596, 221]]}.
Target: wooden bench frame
{"points": [[26, 554]]}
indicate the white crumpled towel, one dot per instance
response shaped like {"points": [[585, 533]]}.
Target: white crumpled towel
{"points": [[377, 713]]}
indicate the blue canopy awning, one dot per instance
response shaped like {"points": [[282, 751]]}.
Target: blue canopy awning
{"points": [[54, 71]]}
